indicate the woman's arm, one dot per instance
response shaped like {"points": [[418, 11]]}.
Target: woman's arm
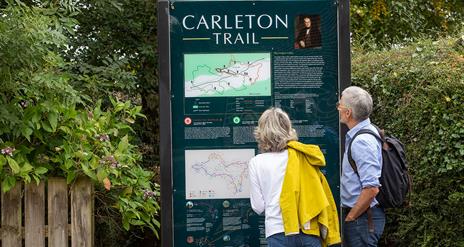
{"points": [[256, 195]]}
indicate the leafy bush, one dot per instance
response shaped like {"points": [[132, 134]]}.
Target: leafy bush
{"points": [[419, 93], [382, 23], [48, 128]]}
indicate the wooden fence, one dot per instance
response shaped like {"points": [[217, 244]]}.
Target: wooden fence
{"points": [[49, 216]]}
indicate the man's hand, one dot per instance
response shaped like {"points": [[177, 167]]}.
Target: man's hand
{"points": [[349, 218], [302, 43], [363, 203]]}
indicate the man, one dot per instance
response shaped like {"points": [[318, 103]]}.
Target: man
{"points": [[364, 220], [308, 36]]}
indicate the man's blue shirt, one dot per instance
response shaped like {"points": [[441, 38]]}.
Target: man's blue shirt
{"points": [[366, 151]]}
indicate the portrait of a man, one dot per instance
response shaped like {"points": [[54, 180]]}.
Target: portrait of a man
{"points": [[308, 34]]}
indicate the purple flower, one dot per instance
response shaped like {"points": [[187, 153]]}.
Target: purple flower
{"points": [[8, 151], [23, 103], [148, 194], [111, 161], [103, 138], [115, 165]]}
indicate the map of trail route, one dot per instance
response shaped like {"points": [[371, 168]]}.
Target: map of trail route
{"points": [[227, 75], [217, 173]]}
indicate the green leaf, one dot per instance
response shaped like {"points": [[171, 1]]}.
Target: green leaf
{"points": [[70, 177], [8, 183], [119, 107], [2, 162], [125, 224], [155, 232], [53, 120], [88, 172], [137, 222], [94, 163], [26, 178], [127, 191], [68, 164], [27, 132], [26, 167], [123, 144], [13, 165], [46, 126], [36, 117], [117, 5], [156, 222], [96, 111], [65, 129], [113, 102], [37, 179], [101, 174], [40, 170]]}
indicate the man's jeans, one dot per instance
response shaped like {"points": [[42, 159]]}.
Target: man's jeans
{"points": [[298, 240], [356, 233]]}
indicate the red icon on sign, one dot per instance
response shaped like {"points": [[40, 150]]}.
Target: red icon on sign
{"points": [[190, 239], [187, 121]]}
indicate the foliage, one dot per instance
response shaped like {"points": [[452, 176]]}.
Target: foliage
{"points": [[114, 45], [382, 23], [128, 45], [419, 93], [48, 128]]}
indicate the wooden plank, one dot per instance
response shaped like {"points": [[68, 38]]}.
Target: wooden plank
{"points": [[34, 218], [11, 217], [45, 232], [57, 212], [82, 225]]}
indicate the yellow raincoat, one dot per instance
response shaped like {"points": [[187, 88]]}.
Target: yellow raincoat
{"points": [[306, 200]]}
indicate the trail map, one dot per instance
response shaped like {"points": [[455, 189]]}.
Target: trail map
{"points": [[217, 173], [227, 75]]}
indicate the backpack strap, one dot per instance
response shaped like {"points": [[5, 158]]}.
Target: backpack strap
{"points": [[360, 132]]}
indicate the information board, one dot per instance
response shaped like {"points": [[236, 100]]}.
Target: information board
{"points": [[229, 61]]}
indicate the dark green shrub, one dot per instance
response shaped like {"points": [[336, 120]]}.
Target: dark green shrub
{"points": [[381, 23], [50, 128], [418, 94]]}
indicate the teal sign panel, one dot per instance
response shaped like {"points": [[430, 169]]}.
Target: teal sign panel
{"points": [[230, 61]]}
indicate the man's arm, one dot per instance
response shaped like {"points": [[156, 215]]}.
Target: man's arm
{"points": [[363, 203], [365, 153]]}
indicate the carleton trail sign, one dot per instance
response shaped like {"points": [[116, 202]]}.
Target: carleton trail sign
{"points": [[222, 63]]}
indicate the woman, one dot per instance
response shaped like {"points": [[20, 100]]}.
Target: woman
{"points": [[286, 184]]}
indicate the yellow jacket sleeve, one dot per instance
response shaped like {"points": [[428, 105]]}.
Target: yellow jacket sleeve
{"points": [[306, 201]]}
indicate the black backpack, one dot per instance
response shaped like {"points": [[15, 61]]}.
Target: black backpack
{"points": [[395, 179]]}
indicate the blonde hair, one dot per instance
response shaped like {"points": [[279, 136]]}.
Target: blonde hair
{"points": [[274, 131]]}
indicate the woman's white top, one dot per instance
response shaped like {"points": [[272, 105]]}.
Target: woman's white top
{"points": [[267, 173]]}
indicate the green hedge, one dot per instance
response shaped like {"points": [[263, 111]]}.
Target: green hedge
{"points": [[383, 23], [418, 94]]}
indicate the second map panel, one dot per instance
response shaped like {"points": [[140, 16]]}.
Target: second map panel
{"points": [[217, 173]]}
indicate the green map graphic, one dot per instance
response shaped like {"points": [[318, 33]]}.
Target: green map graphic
{"points": [[227, 75]]}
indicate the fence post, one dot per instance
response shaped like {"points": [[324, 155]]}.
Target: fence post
{"points": [[82, 225], [11, 217], [57, 212], [34, 209]]}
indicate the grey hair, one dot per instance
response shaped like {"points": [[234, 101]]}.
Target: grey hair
{"points": [[274, 130], [359, 101]]}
